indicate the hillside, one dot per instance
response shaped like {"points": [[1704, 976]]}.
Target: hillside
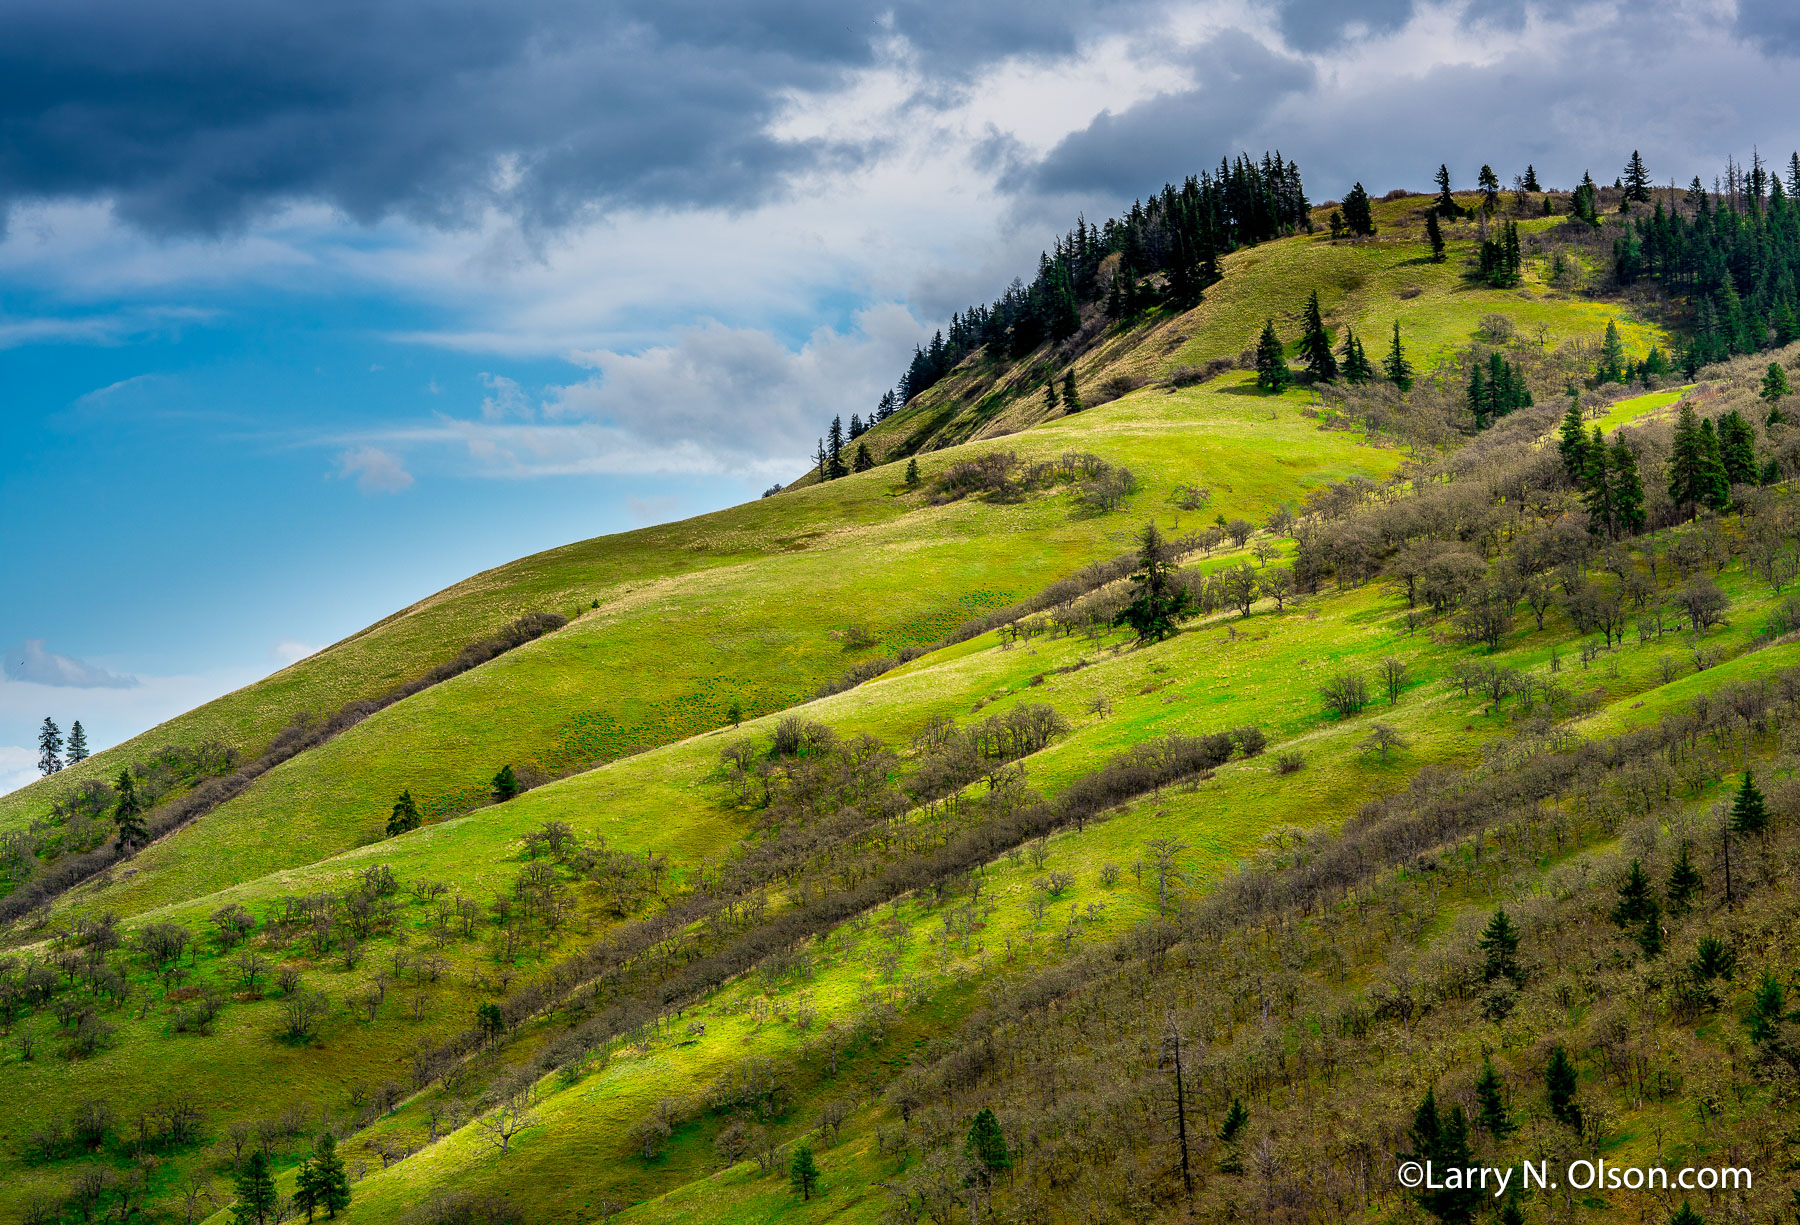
{"points": [[970, 844]]}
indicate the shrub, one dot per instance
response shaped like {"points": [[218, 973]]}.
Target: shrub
{"points": [[1250, 741], [1289, 763], [1346, 693]]}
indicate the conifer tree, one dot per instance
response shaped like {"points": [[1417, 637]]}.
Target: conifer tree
{"points": [[1050, 400], [1315, 344], [1737, 448], [1559, 1084], [1434, 234], [1572, 441], [985, 1146], [1445, 205], [912, 473], [1071, 398], [50, 743], [1531, 179], [835, 445], [1649, 936], [330, 1177], [1489, 182], [1479, 400], [506, 784], [1774, 385], [1685, 1215], [1634, 896], [1499, 945], [803, 1173], [1684, 882], [78, 746], [1443, 1141], [1636, 180], [1749, 815], [1627, 489], [1715, 489], [1596, 488], [1158, 602], [1272, 373], [1359, 216], [1398, 370], [405, 815], [1612, 356], [128, 817], [255, 1192], [1490, 1101], [1356, 368], [864, 461], [857, 427], [1687, 461]]}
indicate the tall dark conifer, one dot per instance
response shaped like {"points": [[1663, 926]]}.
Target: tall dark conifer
{"points": [[1434, 234], [1315, 344], [1272, 373], [1398, 370], [1445, 205]]}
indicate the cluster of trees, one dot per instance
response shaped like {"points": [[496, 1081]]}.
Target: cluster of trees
{"points": [[51, 746], [829, 458], [1323, 362], [1496, 390]]}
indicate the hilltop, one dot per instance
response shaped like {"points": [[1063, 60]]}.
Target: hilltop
{"points": [[943, 821]]}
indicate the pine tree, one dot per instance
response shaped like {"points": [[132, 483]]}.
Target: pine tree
{"points": [[255, 1192], [912, 473], [1499, 945], [1071, 397], [1272, 373], [1634, 896], [1489, 182], [1597, 489], [1445, 205], [1585, 203], [1612, 356], [332, 1180], [506, 784], [306, 1189], [803, 1174], [1359, 216], [1531, 179], [1478, 398], [78, 747], [1715, 489], [1398, 370], [1636, 180], [1774, 386], [1158, 601], [1560, 1083], [1443, 1141], [1649, 935], [1490, 1100], [1685, 1215], [857, 428], [128, 811], [1050, 400], [1627, 489], [985, 1146], [50, 743], [1685, 882], [734, 713], [1749, 815], [1572, 442], [1687, 461], [1315, 344], [1510, 1212], [864, 461], [405, 815], [1737, 448], [1434, 234], [1356, 368]]}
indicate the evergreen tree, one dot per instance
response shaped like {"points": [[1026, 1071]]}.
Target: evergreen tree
{"points": [[1531, 179], [1489, 182], [864, 461], [1634, 897], [835, 443], [1050, 400], [1398, 370], [985, 1146], [306, 1189], [1737, 448], [857, 428], [1749, 815], [1356, 368], [128, 812], [1236, 1119], [1715, 490], [803, 1173], [912, 473], [1597, 488], [1627, 489], [1490, 1100], [330, 1177], [1612, 356], [255, 1192], [1499, 945], [1315, 344], [1774, 386], [506, 784], [1158, 601], [1572, 442], [1071, 397], [734, 713], [1585, 203], [1443, 1141], [1687, 461], [1478, 398], [1649, 935], [1434, 234], [405, 815], [1272, 373], [1510, 1212], [78, 746], [1359, 216], [1636, 180], [50, 743], [1684, 882], [1559, 1084], [1445, 205], [1685, 1215]]}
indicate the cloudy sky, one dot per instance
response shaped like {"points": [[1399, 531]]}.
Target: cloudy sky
{"points": [[308, 309]]}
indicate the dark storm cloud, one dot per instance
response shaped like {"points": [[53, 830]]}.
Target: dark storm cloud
{"points": [[196, 115], [1238, 82], [1773, 24]]}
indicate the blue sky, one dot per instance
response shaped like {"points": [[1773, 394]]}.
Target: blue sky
{"points": [[307, 311]]}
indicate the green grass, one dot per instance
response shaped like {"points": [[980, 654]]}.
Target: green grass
{"points": [[1635, 409]]}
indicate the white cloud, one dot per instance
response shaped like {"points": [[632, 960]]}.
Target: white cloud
{"points": [[375, 470], [505, 398], [18, 766], [30, 662]]}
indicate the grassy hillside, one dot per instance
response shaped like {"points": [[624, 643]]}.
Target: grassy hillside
{"points": [[855, 920]]}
